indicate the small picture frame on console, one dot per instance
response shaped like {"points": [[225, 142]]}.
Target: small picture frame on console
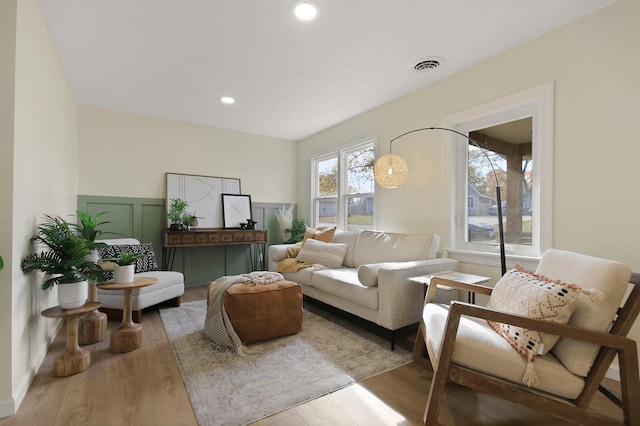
{"points": [[236, 211]]}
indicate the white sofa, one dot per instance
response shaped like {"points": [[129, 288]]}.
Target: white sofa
{"points": [[168, 289], [372, 282]]}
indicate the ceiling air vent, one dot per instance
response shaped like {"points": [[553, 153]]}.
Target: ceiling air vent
{"points": [[427, 64]]}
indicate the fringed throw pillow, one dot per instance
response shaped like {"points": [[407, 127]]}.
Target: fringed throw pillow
{"points": [[524, 293]]}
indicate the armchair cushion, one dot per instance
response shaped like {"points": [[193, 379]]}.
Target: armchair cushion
{"points": [[610, 277], [479, 347]]}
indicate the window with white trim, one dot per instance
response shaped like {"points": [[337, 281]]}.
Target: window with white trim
{"points": [[516, 137], [343, 187]]}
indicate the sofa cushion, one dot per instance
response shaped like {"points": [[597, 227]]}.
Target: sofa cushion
{"points": [[350, 238], [327, 254], [610, 277], [379, 247], [344, 283]]}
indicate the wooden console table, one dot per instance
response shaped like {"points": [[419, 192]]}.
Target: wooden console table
{"points": [[212, 237]]}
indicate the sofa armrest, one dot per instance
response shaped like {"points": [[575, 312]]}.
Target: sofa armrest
{"points": [[276, 253], [400, 300]]}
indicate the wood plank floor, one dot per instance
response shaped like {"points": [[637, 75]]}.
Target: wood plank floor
{"points": [[144, 387]]}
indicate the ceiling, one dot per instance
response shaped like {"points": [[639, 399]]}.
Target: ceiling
{"points": [[174, 59]]}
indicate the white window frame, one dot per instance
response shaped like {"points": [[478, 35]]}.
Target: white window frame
{"points": [[342, 198], [538, 104]]}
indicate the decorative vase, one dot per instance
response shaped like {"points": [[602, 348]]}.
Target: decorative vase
{"points": [[73, 295], [176, 227], [123, 273]]}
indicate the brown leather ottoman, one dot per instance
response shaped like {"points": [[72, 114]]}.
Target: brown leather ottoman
{"points": [[263, 312]]}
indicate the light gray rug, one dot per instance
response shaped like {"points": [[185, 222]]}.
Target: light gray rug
{"points": [[226, 389]]}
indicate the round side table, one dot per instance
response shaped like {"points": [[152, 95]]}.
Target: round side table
{"points": [[74, 359], [92, 326], [128, 336]]}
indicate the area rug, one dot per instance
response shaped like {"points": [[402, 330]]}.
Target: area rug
{"points": [[226, 389]]}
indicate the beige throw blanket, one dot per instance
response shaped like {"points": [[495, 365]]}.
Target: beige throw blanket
{"points": [[217, 325]]}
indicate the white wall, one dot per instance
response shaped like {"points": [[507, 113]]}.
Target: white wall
{"points": [[45, 173], [594, 64], [128, 155], [8, 11]]}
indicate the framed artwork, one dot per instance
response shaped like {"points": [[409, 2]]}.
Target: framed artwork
{"points": [[236, 209], [202, 193]]}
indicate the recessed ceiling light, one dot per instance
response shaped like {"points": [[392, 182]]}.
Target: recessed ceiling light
{"points": [[227, 100], [305, 10]]}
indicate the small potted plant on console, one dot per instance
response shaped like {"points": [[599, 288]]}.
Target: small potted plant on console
{"points": [[176, 213]]}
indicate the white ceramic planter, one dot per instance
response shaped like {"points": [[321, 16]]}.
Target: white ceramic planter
{"points": [[94, 256], [123, 274], [73, 295]]}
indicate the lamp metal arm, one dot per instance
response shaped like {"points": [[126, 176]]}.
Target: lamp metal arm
{"points": [[503, 261]]}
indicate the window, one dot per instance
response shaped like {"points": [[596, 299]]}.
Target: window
{"points": [[516, 139], [343, 193]]}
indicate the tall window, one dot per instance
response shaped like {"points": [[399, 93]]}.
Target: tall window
{"points": [[516, 139], [343, 192]]}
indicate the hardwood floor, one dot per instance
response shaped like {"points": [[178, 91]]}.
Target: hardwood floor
{"points": [[144, 387]]}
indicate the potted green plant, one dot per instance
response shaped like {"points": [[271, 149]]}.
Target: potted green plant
{"points": [[298, 227], [125, 269], [176, 213], [64, 261], [88, 229]]}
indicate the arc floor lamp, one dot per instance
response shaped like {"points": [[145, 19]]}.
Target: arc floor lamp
{"points": [[391, 171]]}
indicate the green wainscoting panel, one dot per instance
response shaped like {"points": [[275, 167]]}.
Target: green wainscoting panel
{"points": [[145, 220]]}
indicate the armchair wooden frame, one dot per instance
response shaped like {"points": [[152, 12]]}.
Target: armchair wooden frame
{"points": [[612, 343]]}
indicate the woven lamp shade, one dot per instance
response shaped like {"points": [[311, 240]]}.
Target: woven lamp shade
{"points": [[390, 171]]}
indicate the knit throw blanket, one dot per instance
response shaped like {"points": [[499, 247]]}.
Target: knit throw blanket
{"points": [[217, 325]]}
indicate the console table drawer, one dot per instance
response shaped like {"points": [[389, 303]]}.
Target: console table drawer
{"points": [[213, 238]]}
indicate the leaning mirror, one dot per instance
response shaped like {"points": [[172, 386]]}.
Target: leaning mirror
{"points": [[203, 195]]}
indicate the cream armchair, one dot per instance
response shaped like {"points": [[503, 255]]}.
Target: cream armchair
{"points": [[560, 379]]}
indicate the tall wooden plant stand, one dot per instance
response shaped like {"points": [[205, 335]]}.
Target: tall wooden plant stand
{"points": [[128, 336], [92, 326], [74, 359]]}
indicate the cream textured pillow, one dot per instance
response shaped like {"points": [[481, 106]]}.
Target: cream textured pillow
{"points": [[535, 296], [318, 252]]}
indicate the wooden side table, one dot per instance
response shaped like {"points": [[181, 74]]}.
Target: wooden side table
{"points": [[92, 326], [128, 336], [460, 277], [74, 359]]}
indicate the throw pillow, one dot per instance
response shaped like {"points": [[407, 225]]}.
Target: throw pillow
{"points": [[535, 296], [144, 264], [368, 274], [326, 254], [294, 249], [320, 234]]}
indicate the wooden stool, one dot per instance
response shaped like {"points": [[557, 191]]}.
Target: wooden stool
{"points": [[128, 336], [74, 359]]}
